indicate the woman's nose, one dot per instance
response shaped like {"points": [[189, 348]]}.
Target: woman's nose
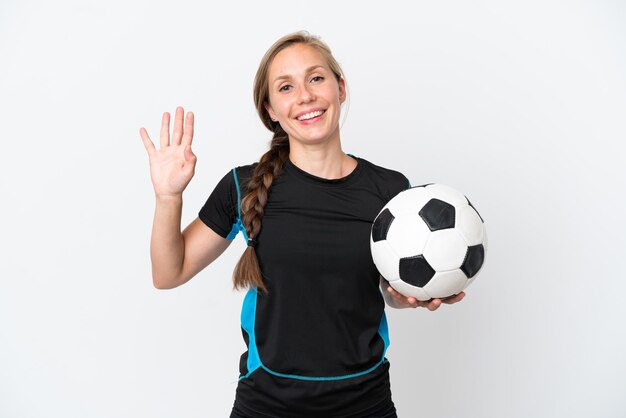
{"points": [[306, 95]]}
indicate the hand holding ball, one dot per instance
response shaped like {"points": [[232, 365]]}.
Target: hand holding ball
{"points": [[429, 242]]}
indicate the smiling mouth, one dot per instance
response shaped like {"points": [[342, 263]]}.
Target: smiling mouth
{"points": [[311, 115]]}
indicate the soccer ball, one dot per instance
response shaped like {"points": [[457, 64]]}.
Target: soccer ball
{"points": [[429, 242]]}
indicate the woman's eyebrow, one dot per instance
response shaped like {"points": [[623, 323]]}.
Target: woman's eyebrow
{"points": [[308, 70]]}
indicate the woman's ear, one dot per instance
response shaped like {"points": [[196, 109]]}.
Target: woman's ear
{"points": [[270, 111], [342, 90]]}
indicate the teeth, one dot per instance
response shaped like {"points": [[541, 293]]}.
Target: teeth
{"points": [[310, 115]]}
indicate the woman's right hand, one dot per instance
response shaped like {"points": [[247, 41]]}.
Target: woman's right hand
{"points": [[172, 165]]}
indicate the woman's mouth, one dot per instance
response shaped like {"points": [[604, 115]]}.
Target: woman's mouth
{"points": [[310, 115]]}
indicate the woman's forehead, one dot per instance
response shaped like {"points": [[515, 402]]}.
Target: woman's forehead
{"points": [[296, 60]]}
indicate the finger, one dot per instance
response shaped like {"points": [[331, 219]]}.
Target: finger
{"points": [[147, 142], [165, 130], [454, 299], [423, 303], [188, 154], [411, 301], [188, 134], [397, 295], [177, 133], [434, 304]]}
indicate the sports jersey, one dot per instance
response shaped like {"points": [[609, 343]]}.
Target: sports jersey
{"points": [[317, 339]]}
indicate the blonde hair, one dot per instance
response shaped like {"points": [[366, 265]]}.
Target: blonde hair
{"points": [[247, 271]]}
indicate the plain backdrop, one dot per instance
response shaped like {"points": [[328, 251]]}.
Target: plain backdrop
{"points": [[520, 105]]}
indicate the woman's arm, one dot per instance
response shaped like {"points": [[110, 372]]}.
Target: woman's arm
{"points": [[176, 257]]}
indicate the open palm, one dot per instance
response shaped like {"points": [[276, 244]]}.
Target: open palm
{"points": [[172, 165]]}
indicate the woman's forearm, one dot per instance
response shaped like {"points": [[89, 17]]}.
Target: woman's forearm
{"points": [[167, 246]]}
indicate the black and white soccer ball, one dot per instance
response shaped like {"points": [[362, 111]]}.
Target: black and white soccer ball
{"points": [[429, 242]]}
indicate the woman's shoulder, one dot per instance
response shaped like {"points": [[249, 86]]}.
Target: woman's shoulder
{"points": [[385, 174], [244, 171], [238, 173]]}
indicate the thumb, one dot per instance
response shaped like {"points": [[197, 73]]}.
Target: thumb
{"points": [[188, 154]]}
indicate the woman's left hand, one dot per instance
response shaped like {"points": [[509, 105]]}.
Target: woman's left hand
{"points": [[399, 301]]}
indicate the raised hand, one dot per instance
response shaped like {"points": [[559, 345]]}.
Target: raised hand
{"points": [[171, 166]]}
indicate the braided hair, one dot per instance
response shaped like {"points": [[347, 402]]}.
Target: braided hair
{"points": [[247, 272]]}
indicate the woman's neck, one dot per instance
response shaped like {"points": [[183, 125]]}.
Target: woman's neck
{"points": [[322, 161]]}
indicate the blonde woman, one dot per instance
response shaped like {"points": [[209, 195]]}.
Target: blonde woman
{"points": [[313, 316]]}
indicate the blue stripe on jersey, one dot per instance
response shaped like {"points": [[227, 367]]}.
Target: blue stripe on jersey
{"points": [[248, 314], [383, 331], [234, 231], [238, 193], [237, 226], [313, 378]]}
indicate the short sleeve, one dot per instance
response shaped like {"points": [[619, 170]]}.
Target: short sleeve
{"points": [[220, 210], [399, 182]]}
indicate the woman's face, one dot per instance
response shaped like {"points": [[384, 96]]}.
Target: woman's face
{"points": [[304, 95]]}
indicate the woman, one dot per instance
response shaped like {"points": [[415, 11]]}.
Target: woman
{"points": [[313, 318]]}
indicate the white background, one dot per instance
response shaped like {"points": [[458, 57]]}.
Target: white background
{"points": [[520, 105]]}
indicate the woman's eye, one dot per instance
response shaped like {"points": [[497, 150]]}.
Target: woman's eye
{"points": [[286, 87], [317, 78]]}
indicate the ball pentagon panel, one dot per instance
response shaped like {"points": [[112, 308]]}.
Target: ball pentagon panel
{"points": [[416, 270], [381, 225], [473, 260], [438, 214], [447, 194]]}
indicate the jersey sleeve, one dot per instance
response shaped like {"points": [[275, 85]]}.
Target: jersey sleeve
{"points": [[398, 183], [220, 210]]}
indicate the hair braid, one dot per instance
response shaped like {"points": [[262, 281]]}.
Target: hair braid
{"points": [[248, 272]]}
